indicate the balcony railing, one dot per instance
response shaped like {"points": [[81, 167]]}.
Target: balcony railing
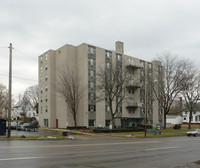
{"points": [[133, 65], [133, 105], [134, 85]]}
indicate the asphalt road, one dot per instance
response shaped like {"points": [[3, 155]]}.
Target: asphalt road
{"points": [[176, 152]]}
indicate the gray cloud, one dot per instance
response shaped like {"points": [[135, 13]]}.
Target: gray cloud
{"points": [[147, 29]]}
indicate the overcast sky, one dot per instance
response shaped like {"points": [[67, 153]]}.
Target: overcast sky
{"points": [[147, 27]]}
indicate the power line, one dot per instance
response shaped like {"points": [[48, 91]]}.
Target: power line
{"points": [[26, 55], [20, 78]]}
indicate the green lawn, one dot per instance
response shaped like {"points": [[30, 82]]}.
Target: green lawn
{"points": [[169, 132]]}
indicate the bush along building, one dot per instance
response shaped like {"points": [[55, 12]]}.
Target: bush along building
{"points": [[90, 86]]}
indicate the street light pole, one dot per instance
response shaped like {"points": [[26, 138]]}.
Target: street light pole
{"points": [[146, 109], [10, 91]]}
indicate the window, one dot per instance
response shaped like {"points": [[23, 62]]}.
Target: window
{"points": [[150, 102], [142, 63], [46, 99], [131, 82], [107, 108], [184, 118], [150, 74], [91, 62], [41, 109], [46, 56], [91, 108], [91, 123], [46, 77], [107, 98], [142, 73], [150, 111], [142, 82], [41, 79], [142, 100], [91, 73], [91, 96], [108, 55], [91, 50], [119, 99], [41, 99], [119, 57], [150, 66], [46, 88], [142, 110], [119, 109], [108, 76], [108, 122], [142, 91], [91, 85], [108, 65], [46, 67], [41, 59], [41, 90], [41, 69], [46, 123], [46, 108]]}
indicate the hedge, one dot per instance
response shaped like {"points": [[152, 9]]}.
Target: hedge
{"points": [[102, 130]]}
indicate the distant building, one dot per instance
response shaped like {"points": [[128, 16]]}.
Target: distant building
{"points": [[175, 114], [84, 59], [195, 115], [23, 108]]}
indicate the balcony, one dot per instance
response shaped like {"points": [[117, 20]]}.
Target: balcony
{"points": [[133, 65], [132, 104], [134, 84]]}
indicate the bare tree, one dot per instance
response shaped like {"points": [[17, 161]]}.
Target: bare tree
{"points": [[112, 84], [190, 90], [31, 94], [70, 87], [168, 83], [3, 99]]}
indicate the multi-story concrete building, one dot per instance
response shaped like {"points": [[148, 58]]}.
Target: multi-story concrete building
{"points": [[83, 60]]}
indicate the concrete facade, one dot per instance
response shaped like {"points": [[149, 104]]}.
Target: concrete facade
{"points": [[83, 60]]}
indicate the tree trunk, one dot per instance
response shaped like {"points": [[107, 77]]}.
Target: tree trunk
{"points": [[75, 123], [190, 119], [165, 121], [113, 122]]}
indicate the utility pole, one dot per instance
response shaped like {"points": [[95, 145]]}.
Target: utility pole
{"points": [[10, 91]]}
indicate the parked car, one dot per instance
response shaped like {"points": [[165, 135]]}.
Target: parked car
{"points": [[14, 125], [19, 126], [29, 127], [193, 132]]}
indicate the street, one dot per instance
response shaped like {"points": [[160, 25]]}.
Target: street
{"points": [[174, 152]]}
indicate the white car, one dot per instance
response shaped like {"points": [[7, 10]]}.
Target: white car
{"points": [[193, 132]]}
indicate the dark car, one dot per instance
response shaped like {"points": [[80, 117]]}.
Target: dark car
{"points": [[29, 127], [193, 132]]}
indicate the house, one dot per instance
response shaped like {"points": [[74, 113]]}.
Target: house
{"points": [[175, 114], [195, 115], [23, 108]]}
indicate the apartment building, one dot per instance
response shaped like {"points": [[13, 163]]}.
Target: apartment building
{"points": [[83, 60]]}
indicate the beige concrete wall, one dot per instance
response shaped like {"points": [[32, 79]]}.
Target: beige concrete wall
{"points": [[82, 69], [100, 106], [65, 58], [48, 60]]}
